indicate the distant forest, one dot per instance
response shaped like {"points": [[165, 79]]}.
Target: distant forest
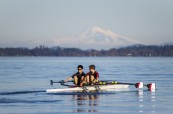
{"points": [[135, 50]]}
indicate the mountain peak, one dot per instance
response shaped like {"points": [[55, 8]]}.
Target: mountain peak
{"points": [[96, 38], [96, 29]]}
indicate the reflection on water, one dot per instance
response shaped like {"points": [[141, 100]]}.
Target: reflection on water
{"points": [[142, 101], [93, 102], [153, 96], [85, 103], [153, 99]]}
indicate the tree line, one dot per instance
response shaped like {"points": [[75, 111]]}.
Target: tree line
{"points": [[135, 50]]}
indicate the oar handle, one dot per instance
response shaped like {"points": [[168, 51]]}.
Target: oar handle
{"points": [[61, 82]]}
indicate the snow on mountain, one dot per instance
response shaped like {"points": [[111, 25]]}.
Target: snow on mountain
{"points": [[96, 38]]}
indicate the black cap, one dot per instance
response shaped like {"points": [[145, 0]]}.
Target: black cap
{"points": [[80, 66]]}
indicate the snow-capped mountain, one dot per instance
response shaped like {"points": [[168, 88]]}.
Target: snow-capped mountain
{"points": [[96, 38]]}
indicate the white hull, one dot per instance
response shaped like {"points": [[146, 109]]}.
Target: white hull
{"points": [[90, 88]]}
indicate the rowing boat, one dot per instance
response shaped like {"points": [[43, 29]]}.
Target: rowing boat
{"points": [[99, 86], [113, 87]]}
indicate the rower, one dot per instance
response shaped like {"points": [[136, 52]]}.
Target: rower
{"points": [[78, 77], [92, 76]]}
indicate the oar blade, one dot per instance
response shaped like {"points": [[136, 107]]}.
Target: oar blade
{"points": [[151, 86], [139, 85]]}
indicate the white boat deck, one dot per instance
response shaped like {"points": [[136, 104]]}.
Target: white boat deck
{"points": [[113, 87]]}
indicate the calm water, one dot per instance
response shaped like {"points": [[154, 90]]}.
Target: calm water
{"points": [[23, 81]]}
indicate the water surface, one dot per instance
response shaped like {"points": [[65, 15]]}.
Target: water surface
{"points": [[23, 81]]}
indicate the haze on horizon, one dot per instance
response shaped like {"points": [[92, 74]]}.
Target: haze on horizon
{"points": [[29, 23]]}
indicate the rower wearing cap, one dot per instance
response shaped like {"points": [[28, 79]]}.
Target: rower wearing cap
{"points": [[92, 76], [78, 77]]}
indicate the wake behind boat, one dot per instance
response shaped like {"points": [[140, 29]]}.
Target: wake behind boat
{"points": [[100, 86]]}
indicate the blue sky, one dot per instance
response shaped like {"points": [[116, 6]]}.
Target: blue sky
{"points": [[25, 21]]}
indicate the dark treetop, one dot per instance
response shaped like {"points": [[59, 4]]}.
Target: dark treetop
{"points": [[135, 50]]}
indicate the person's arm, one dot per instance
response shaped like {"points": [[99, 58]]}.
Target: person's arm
{"points": [[83, 79], [97, 77], [68, 79]]}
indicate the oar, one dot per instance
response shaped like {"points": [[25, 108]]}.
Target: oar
{"points": [[137, 85], [61, 82], [151, 86], [52, 82]]}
